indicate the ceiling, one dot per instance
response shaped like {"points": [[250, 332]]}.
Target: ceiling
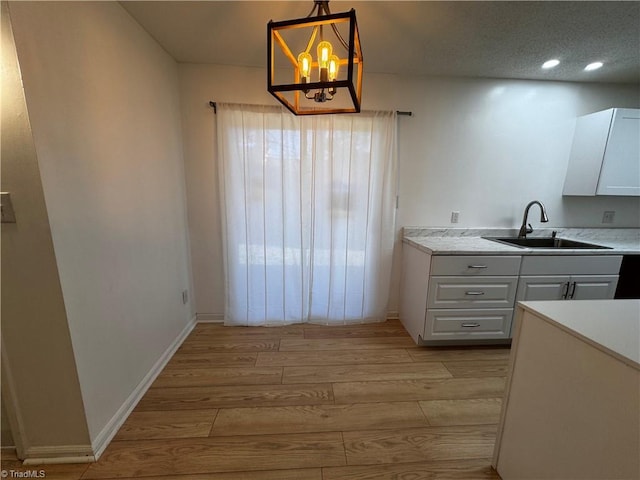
{"points": [[500, 39]]}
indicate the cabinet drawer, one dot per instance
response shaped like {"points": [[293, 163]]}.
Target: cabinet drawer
{"points": [[475, 292], [461, 323], [474, 265], [571, 265]]}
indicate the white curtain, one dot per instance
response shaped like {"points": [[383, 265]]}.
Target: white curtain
{"points": [[308, 209]]}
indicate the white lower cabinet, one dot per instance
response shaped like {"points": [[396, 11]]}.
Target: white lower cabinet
{"points": [[565, 287], [569, 277], [470, 298], [466, 298]]}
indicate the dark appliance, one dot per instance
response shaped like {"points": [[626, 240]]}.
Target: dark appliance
{"points": [[629, 280]]}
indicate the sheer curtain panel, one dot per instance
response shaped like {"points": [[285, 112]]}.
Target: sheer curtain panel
{"points": [[308, 209]]}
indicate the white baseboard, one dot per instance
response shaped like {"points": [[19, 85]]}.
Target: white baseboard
{"points": [[102, 440], [59, 454], [393, 315], [210, 317]]}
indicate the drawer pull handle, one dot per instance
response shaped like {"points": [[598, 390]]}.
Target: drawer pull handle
{"points": [[476, 266], [470, 325], [474, 293]]}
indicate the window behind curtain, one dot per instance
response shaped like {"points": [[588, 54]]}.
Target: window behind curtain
{"points": [[308, 207]]}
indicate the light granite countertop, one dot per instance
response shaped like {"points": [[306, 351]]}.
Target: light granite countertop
{"points": [[470, 241]]}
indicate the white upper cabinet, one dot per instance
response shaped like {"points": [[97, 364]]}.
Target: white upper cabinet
{"points": [[605, 155]]}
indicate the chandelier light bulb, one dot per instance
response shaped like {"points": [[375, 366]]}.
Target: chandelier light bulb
{"points": [[551, 63], [324, 53], [334, 63], [304, 65]]}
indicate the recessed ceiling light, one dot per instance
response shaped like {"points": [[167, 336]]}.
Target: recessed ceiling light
{"points": [[551, 63], [593, 66]]}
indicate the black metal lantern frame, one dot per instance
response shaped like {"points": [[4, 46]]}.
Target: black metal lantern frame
{"points": [[295, 96]]}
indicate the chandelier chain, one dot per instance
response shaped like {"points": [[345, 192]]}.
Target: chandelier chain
{"points": [[323, 6]]}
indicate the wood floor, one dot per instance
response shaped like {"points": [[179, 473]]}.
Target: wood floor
{"points": [[307, 402]]}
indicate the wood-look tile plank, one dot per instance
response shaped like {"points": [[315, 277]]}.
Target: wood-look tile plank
{"points": [[406, 390], [224, 454], [333, 357], [317, 418], [373, 325], [442, 354], [350, 344], [186, 398], [356, 373], [419, 444], [221, 331], [199, 377], [215, 338], [474, 469], [206, 360], [356, 331], [230, 345], [478, 368], [167, 424], [71, 471], [473, 411], [294, 474]]}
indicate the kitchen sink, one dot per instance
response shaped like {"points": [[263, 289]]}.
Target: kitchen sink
{"points": [[543, 242]]}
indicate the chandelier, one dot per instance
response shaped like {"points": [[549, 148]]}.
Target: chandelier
{"points": [[329, 83]]}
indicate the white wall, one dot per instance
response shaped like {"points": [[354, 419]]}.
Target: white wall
{"points": [[40, 387], [487, 147], [103, 99], [483, 147]]}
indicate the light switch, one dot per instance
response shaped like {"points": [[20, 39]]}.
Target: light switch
{"points": [[8, 215]]}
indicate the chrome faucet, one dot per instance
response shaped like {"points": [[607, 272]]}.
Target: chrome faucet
{"points": [[526, 227]]}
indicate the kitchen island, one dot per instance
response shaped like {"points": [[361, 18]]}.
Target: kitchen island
{"points": [[572, 403]]}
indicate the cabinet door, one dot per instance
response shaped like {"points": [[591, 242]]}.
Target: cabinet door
{"points": [[593, 287], [587, 153], [620, 173], [542, 287]]}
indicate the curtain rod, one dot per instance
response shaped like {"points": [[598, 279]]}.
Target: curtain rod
{"points": [[215, 109]]}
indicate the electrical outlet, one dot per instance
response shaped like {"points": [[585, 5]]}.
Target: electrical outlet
{"points": [[185, 297], [608, 216], [454, 217]]}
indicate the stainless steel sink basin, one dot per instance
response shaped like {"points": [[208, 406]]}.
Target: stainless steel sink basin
{"points": [[543, 242]]}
